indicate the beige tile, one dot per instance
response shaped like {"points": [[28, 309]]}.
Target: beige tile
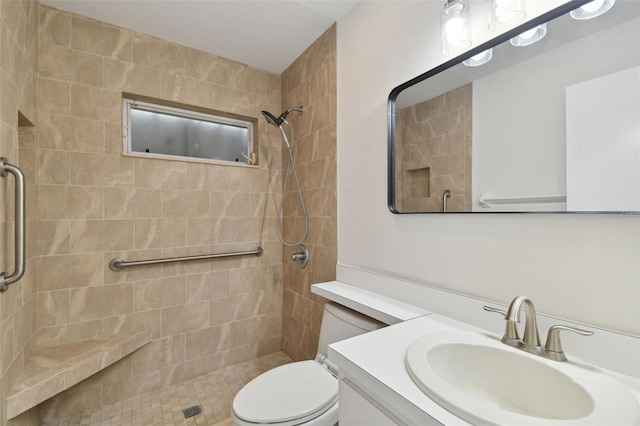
{"points": [[53, 167], [246, 280], [159, 54], [160, 174], [69, 202], [226, 309], [101, 170], [207, 231], [53, 308], [53, 236], [247, 79], [59, 63], [159, 293], [56, 132], [184, 204], [69, 271], [88, 303], [184, 318], [54, 96], [133, 203], [101, 235], [50, 336], [207, 286], [101, 39], [161, 353], [126, 76], [55, 27], [93, 103], [185, 90], [207, 341], [134, 322], [207, 67]]}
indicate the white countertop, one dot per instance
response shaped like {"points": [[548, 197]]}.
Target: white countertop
{"points": [[382, 308], [376, 362]]}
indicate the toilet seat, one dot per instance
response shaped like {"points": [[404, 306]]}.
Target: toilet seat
{"points": [[287, 395]]}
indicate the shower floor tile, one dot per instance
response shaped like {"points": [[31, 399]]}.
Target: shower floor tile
{"points": [[213, 392]]}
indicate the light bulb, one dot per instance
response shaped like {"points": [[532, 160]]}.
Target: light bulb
{"points": [[479, 59], [506, 14], [530, 36], [592, 6], [454, 28], [592, 9]]}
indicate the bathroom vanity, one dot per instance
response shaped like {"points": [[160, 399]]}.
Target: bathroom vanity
{"points": [[375, 385]]}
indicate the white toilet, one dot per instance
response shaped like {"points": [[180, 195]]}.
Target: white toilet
{"points": [[304, 392]]}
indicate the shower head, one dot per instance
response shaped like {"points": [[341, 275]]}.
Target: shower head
{"points": [[271, 119]]}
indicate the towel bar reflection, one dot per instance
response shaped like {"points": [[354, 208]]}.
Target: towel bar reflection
{"points": [[18, 272], [118, 263]]}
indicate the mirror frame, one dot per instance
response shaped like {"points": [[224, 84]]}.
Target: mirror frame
{"points": [[504, 37]]}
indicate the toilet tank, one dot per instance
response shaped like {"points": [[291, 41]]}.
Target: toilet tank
{"points": [[340, 323]]}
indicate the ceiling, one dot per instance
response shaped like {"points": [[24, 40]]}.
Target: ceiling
{"points": [[266, 34]]}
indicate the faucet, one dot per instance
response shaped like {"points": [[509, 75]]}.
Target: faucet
{"points": [[531, 337], [530, 342]]}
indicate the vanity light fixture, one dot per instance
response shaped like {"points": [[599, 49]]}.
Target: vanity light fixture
{"points": [[479, 59], [530, 36], [455, 27], [592, 9], [506, 14]]}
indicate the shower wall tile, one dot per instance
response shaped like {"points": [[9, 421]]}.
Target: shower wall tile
{"points": [[18, 138], [101, 39], [62, 64], [93, 204], [434, 142], [56, 96], [184, 89], [128, 77], [210, 68], [309, 81], [53, 236], [55, 28], [158, 54]]}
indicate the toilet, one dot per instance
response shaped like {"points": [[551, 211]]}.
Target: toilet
{"points": [[304, 392]]}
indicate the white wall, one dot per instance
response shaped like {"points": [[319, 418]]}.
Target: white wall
{"points": [[580, 267], [534, 163], [603, 173]]}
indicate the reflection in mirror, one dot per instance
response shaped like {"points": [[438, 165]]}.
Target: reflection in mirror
{"points": [[553, 126]]}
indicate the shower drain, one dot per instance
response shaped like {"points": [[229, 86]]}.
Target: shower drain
{"points": [[192, 411]]}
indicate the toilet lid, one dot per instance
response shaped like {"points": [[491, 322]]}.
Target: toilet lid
{"points": [[286, 393]]}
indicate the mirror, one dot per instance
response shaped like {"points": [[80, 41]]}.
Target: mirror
{"points": [[549, 127]]}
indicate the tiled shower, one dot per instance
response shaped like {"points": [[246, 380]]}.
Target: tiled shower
{"points": [[64, 75]]}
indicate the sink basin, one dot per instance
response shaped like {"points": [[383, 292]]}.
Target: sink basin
{"points": [[483, 381]]}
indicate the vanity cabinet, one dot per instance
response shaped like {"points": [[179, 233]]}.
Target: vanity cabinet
{"points": [[359, 409]]}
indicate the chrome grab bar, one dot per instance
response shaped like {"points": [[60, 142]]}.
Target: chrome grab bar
{"points": [[118, 263], [445, 195], [19, 219]]}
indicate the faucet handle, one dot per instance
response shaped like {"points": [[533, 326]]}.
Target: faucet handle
{"points": [[510, 330], [553, 346]]}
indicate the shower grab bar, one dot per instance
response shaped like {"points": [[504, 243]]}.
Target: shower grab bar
{"points": [[486, 200], [18, 272], [118, 263]]}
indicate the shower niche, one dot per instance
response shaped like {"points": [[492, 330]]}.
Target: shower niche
{"points": [[433, 152]]}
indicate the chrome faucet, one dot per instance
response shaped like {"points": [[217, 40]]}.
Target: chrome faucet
{"points": [[530, 342]]}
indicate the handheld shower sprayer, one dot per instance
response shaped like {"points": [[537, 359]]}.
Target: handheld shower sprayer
{"points": [[277, 122], [271, 119]]}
